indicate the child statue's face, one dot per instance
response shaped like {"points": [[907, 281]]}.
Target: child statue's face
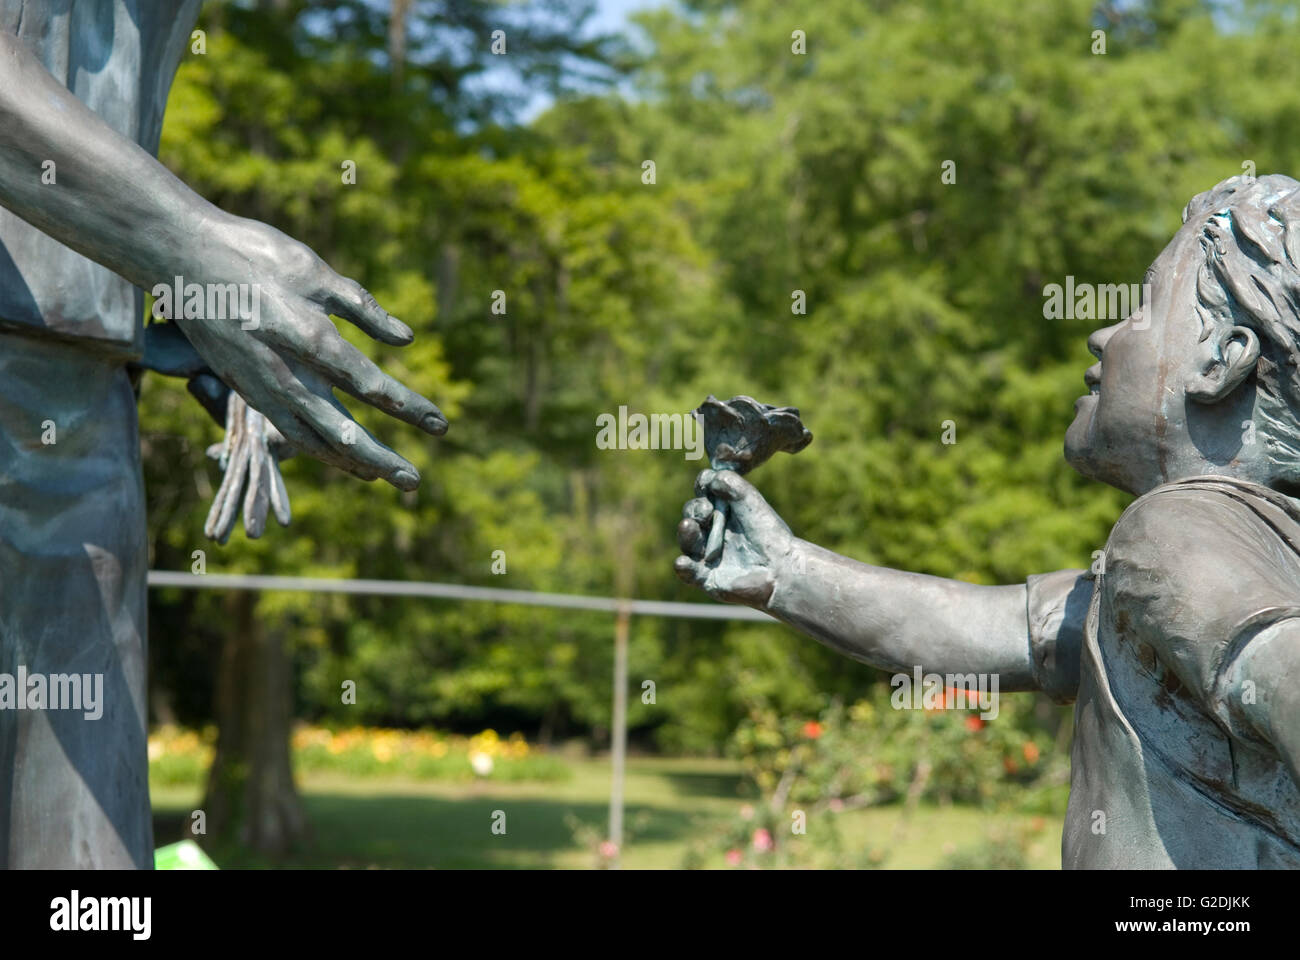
{"points": [[1139, 427]]}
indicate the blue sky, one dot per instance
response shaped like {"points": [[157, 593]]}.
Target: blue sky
{"points": [[610, 16]]}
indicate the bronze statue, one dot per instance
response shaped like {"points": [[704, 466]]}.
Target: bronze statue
{"points": [[1182, 652], [88, 219]]}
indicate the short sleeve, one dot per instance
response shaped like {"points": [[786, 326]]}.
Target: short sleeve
{"points": [[1198, 576], [1057, 606], [1234, 687]]}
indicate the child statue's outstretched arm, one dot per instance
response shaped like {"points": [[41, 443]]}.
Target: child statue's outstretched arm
{"points": [[1029, 635]]}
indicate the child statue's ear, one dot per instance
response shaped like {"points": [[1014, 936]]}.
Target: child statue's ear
{"points": [[1225, 359]]}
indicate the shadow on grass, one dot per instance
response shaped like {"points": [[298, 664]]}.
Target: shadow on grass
{"points": [[702, 783], [383, 831]]}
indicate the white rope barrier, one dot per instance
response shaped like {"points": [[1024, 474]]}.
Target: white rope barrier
{"points": [[455, 591], [451, 591]]}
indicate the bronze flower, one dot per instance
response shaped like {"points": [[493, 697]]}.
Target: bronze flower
{"points": [[742, 433], [739, 435]]}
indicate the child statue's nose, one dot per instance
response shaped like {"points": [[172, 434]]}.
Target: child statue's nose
{"points": [[1097, 340]]}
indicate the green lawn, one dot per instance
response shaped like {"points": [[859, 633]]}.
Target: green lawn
{"points": [[671, 805]]}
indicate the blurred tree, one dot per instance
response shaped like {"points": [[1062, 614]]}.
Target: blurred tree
{"points": [[777, 172], [268, 124]]}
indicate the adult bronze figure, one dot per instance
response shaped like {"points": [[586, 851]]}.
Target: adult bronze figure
{"points": [[1182, 653], [89, 219]]}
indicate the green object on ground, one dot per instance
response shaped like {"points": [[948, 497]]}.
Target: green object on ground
{"points": [[186, 855]]}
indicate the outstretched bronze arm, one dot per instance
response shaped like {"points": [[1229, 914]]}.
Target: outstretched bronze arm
{"points": [[891, 619], [117, 205]]}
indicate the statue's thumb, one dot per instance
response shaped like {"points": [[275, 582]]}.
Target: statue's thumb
{"points": [[728, 485]]}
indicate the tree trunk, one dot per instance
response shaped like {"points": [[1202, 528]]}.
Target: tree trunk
{"points": [[400, 9], [251, 797]]}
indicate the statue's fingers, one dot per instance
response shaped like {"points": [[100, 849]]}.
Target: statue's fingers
{"points": [[236, 426], [690, 571], [348, 368], [348, 299], [279, 494], [233, 419], [298, 433], [306, 411], [717, 530], [727, 485], [214, 514], [700, 510], [702, 481], [225, 520], [221, 519], [232, 487], [258, 497], [350, 446], [212, 526], [691, 538]]}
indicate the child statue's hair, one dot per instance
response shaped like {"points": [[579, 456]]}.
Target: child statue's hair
{"points": [[1251, 278]]}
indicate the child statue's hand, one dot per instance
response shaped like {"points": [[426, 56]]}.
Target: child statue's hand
{"points": [[757, 544]]}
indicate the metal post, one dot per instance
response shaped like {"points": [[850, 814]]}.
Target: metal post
{"points": [[618, 733]]}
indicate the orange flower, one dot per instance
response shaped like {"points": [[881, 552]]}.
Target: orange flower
{"points": [[812, 729], [974, 722], [1031, 751]]}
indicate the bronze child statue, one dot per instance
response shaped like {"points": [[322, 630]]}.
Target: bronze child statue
{"points": [[1182, 653]]}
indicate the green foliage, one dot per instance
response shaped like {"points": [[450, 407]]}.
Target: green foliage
{"points": [[806, 773], [775, 173], [1003, 848]]}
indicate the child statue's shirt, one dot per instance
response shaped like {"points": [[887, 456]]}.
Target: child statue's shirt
{"points": [[1165, 771]]}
